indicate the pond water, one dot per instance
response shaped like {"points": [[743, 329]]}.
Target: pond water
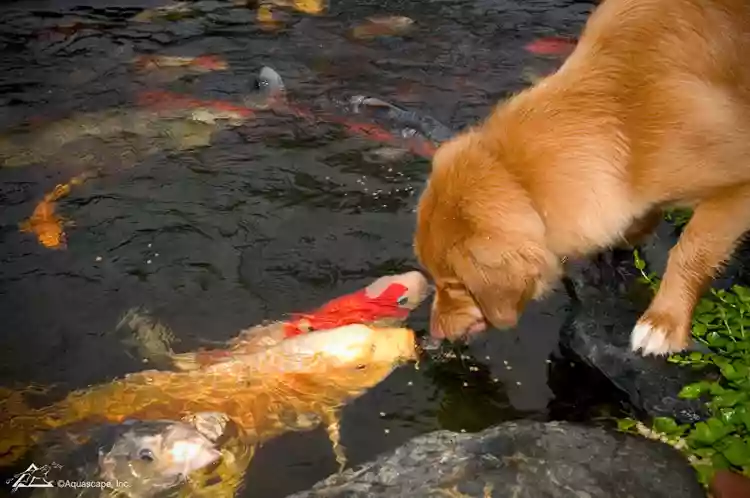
{"points": [[278, 215]]}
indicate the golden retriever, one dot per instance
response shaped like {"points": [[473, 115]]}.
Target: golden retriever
{"points": [[651, 110]]}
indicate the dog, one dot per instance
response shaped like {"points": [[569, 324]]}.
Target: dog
{"points": [[650, 111]]}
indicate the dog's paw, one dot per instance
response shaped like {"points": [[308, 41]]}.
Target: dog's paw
{"points": [[654, 337]]}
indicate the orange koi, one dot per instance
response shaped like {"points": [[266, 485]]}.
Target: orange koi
{"points": [[553, 45], [45, 222], [169, 101]]}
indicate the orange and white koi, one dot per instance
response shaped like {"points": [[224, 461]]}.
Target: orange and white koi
{"points": [[387, 301]]}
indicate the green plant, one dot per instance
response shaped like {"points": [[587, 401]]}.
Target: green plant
{"points": [[679, 217], [722, 322]]}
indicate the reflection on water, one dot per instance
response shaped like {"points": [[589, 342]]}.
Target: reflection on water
{"points": [[266, 215]]}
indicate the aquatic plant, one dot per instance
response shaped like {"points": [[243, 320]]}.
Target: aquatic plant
{"points": [[723, 440]]}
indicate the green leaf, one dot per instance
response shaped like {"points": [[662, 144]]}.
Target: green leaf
{"points": [[743, 293], [719, 461], [667, 426], [625, 424], [708, 432], [695, 357], [715, 340], [729, 398], [639, 263], [699, 329], [730, 416], [705, 473], [704, 306], [716, 389], [734, 373], [704, 452], [705, 318], [744, 416], [695, 390], [737, 451]]}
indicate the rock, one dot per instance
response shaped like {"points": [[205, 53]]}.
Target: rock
{"points": [[522, 459], [607, 301]]}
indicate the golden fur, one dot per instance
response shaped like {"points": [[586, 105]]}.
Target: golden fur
{"points": [[651, 110]]}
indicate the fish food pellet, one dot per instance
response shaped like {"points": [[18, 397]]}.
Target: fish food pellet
{"points": [[466, 384], [386, 431], [518, 383], [98, 258], [382, 414], [409, 383]]}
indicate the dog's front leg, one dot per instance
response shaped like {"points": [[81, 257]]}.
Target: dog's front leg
{"points": [[708, 240]]}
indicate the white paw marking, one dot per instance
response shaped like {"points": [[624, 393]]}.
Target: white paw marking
{"points": [[652, 340]]}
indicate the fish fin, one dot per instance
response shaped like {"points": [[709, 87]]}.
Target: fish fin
{"points": [[333, 428]]}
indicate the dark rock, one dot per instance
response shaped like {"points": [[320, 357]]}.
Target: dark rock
{"points": [[522, 460], [607, 302]]}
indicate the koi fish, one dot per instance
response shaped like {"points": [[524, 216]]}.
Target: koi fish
{"points": [[297, 384], [175, 130], [426, 125], [385, 302], [203, 63], [45, 223], [409, 138], [377, 26], [151, 456], [172, 12], [275, 98], [553, 45]]}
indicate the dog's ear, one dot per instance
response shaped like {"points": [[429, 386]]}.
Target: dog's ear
{"points": [[500, 279]]}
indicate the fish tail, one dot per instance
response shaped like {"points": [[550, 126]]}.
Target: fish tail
{"points": [[151, 340]]}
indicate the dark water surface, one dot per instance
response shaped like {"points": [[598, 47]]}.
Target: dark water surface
{"points": [[276, 216]]}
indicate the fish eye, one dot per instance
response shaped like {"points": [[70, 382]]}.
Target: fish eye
{"points": [[403, 300], [146, 455]]}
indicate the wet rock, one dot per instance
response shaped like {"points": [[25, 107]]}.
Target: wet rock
{"points": [[607, 302], [521, 459]]}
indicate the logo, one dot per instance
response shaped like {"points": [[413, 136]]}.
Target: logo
{"points": [[33, 477], [36, 477]]}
